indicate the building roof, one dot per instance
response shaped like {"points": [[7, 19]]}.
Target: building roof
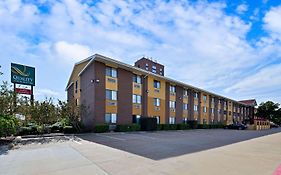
{"points": [[104, 59], [251, 102]]}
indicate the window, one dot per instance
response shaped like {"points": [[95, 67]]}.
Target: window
{"points": [[111, 72], [76, 86], [137, 79], [185, 92], [195, 107], [185, 106], [172, 104], [195, 95], [158, 119], [156, 102], [136, 118], [146, 66], [110, 118], [111, 95], [213, 100], [219, 101], [225, 103], [136, 99], [154, 69], [219, 111], [229, 112], [205, 98], [172, 120], [156, 84], [184, 120], [212, 110], [173, 89], [204, 109]]}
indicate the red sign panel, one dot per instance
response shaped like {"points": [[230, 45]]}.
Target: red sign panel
{"points": [[23, 91]]}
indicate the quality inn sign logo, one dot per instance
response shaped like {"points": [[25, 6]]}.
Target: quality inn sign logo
{"points": [[22, 74]]}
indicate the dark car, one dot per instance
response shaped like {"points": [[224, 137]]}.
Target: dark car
{"points": [[273, 125], [238, 126]]}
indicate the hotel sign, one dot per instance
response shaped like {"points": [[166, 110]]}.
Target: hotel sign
{"points": [[22, 74]]}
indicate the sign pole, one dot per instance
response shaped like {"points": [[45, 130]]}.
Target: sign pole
{"points": [[15, 96], [32, 96]]}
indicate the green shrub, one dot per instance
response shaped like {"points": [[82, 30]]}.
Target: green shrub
{"points": [[165, 127], [160, 127], [8, 125], [101, 128], [69, 129], [173, 126], [203, 126], [193, 124], [127, 128], [183, 126]]}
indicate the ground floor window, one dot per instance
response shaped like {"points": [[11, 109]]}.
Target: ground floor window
{"points": [[204, 121], [136, 119], [158, 119], [172, 120], [110, 118], [184, 120]]}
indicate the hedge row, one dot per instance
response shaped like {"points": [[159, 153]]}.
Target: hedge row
{"points": [[210, 126]]}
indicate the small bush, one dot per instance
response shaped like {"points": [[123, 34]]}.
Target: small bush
{"points": [[203, 126], [165, 127], [101, 128], [8, 125], [183, 126], [69, 129], [160, 127], [193, 124], [173, 126], [127, 128]]}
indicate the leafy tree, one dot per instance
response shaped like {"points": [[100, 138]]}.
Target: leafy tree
{"points": [[7, 98], [269, 110], [71, 112], [44, 112]]}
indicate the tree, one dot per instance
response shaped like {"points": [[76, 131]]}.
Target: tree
{"points": [[269, 110], [7, 96], [71, 112]]}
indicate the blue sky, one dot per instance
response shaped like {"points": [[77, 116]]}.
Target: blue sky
{"points": [[232, 48]]}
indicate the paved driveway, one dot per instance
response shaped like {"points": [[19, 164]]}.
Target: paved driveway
{"points": [[172, 153], [165, 144]]}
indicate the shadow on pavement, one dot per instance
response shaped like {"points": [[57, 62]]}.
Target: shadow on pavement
{"points": [[165, 144]]}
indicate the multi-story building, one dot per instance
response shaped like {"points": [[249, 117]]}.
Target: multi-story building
{"points": [[117, 93]]}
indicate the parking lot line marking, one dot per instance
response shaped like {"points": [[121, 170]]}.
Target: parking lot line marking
{"points": [[111, 137]]}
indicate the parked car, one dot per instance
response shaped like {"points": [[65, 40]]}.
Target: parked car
{"points": [[238, 126], [273, 125]]}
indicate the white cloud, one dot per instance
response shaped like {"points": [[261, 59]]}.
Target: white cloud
{"points": [[266, 79], [46, 92], [71, 52], [272, 22], [242, 8]]}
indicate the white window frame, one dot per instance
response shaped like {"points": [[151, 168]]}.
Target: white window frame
{"points": [[195, 108], [112, 118], [172, 104], [136, 99], [113, 94], [172, 120], [111, 72], [156, 102]]}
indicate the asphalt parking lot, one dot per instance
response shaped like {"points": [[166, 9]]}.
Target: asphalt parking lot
{"points": [[165, 144]]}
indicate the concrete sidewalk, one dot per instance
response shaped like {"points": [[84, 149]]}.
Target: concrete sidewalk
{"points": [[256, 156]]}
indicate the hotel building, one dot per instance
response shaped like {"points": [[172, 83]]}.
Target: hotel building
{"points": [[118, 93]]}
